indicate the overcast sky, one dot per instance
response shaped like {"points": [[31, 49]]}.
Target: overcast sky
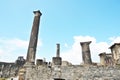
{"points": [[67, 22]]}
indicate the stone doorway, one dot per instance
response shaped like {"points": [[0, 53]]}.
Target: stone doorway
{"points": [[58, 79]]}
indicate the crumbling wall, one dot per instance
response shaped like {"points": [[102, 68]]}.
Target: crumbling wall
{"points": [[11, 69], [8, 69], [73, 72]]}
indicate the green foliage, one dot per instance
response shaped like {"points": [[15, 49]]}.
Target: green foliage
{"points": [[2, 79]]}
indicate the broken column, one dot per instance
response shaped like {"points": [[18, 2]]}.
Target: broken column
{"points": [[57, 60], [102, 58], [33, 38], [86, 52]]}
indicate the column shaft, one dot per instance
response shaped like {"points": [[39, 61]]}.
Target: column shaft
{"points": [[31, 53]]}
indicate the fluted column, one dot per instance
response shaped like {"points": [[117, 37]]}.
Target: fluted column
{"points": [[31, 53], [86, 52]]}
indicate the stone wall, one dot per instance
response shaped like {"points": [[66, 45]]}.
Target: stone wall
{"points": [[11, 69], [73, 72]]}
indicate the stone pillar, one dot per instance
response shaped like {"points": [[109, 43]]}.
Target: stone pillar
{"points": [[57, 60], [102, 58], [58, 50], [86, 52], [33, 38]]}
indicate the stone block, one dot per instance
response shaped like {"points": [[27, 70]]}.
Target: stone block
{"points": [[57, 60]]}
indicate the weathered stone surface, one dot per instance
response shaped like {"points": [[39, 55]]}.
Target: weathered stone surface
{"points": [[106, 59], [86, 56], [11, 69], [74, 72], [115, 49]]}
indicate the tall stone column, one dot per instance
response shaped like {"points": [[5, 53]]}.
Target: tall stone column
{"points": [[31, 53], [86, 52]]}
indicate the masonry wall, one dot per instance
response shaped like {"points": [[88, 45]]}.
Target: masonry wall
{"points": [[74, 72], [8, 69], [11, 69]]}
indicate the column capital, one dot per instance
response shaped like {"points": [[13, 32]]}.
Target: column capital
{"points": [[37, 13], [87, 42]]}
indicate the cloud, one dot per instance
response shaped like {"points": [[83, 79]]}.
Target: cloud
{"points": [[10, 49], [74, 54], [66, 45], [114, 40]]}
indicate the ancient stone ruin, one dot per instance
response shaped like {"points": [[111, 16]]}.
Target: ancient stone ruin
{"points": [[86, 52], [11, 69], [107, 69], [115, 49], [61, 70]]}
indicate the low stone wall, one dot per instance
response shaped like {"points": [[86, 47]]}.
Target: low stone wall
{"points": [[75, 72], [9, 69]]}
